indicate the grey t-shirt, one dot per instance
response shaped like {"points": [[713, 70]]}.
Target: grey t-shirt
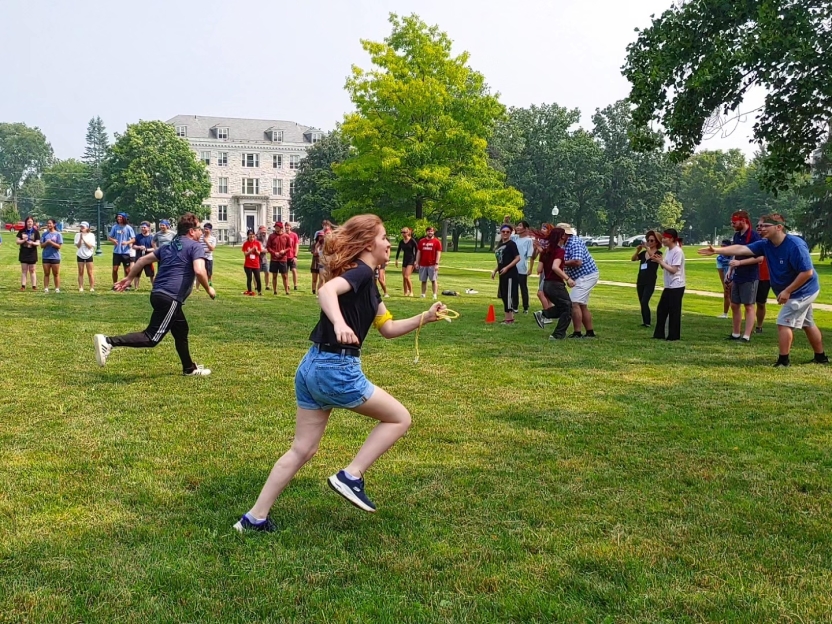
{"points": [[163, 238], [176, 267]]}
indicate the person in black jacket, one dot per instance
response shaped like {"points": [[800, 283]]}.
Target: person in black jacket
{"points": [[647, 273], [507, 258]]}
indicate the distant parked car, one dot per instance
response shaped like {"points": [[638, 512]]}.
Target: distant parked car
{"points": [[634, 241], [601, 241]]}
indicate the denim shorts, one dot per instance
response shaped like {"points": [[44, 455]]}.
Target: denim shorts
{"points": [[327, 380]]}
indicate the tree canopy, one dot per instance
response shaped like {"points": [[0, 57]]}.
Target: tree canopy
{"points": [[24, 153], [702, 57], [151, 173], [315, 197], [419, 132]]}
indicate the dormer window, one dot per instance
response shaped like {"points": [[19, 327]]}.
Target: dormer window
{"points": [[316, 136], [277, 136], [222, 133], [181, 131]]}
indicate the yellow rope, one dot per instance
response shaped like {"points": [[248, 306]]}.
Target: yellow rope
{"points": [[445, 314]]}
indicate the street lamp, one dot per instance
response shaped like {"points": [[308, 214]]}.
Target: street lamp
{"points": [[98, 196]]}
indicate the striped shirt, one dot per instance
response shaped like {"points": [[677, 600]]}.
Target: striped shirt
{"points": [[575, 249]]}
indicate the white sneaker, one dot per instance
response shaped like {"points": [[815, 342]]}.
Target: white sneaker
{"points": [[46, 290], [423, 296], [102, 349], [434, 297], [199, 371], [386, 295], [81, 290], [57, 290], [91, 289], [723, 316]]}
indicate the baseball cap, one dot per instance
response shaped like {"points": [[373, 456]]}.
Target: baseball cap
{"points": [[84, 224], [278, 224], [567, 228]]}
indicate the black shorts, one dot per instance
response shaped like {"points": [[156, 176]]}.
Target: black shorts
{"points": [[121, 259], [149, 270], [278, 267], [209, 267], [292, 263], [763, 288], [80, 259], [49, 261]]}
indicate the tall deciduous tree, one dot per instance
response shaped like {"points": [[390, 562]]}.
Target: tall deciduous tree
{"points": [[670, 213], [24, 153], [420, 130], [67, 192], [151, 173], [315, 197], [704, 56], [708, 181], [815, 221]]}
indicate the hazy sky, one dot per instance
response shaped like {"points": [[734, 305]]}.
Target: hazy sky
{"points": [[68, 61]]}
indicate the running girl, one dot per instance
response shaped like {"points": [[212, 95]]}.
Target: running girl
{"points": [[330, 374]]}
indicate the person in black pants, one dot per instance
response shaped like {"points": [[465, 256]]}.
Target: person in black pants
{"points": [[670, 303], [554, 285], [507, 259], [179, 262], [647, 272]]}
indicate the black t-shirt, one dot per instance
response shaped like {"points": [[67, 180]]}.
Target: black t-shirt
{"points": [[647, 274], [409, 249], [28, 254], [358, 307], [506, 252]]}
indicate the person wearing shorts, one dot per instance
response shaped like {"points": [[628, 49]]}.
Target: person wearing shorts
{"points": [[793, 279], [428, 253], [292, 256], [763, 288], [745, 273], [164, 236], [315, 268], [85, 243], [330, 374], [28, 241], [408, 246], [141, 246], [279, 245], [209, 244], [581, 268], [262, 237], [51, 243], [525, 245], [122, 237]]}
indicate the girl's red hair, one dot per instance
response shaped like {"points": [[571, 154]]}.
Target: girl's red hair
{"points": [[345, 243]]}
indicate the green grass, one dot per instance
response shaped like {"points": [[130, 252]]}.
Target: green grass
{"points": [[617, 480]]}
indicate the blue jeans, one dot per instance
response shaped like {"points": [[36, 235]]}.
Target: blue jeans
{"points": [[327, 380]]}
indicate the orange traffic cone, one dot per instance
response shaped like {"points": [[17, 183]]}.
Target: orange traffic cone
{"points": [[490, 318]]}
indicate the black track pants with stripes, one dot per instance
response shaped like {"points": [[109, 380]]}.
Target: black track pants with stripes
{"points": [[167, 317]]}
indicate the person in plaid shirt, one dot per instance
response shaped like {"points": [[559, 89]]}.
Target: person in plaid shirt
{"points": [[582, 269]]}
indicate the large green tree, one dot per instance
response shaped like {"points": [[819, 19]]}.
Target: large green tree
{"points": [[68, 194], [815, 220], [419, 133], [315, 197], [24, 153], [151, 173], [702, 57]]}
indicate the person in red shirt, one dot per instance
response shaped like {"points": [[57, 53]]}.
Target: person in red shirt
{"points": [[763, 287], [279, 245], [292, 256], [251, 251], [555, 281], [428, 252]]}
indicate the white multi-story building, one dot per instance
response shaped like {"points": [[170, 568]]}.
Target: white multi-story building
{"points": [[252, 164]]}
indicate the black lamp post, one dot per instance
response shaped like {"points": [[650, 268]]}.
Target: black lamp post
{"points": [[99, 196]]}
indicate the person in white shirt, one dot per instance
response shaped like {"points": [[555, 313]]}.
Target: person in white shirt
{"points": [[85, 243], [670, 304], [525, 245]]}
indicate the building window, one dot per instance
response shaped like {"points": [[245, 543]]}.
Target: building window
{"points": [[222, 159], [222, 213], [222, 236], [222, 185], [291, 187], [292, 216], [182, 131], [277, 161], [294, 161], [205, 157], [277, 187], [251, 160], [277, 136], [251, 186], [316, 136], [277, 213], [222, 133]]}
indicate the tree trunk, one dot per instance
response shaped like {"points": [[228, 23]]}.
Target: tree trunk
{"points": [[455, 237], [492, 234], [444, 235], [419, 208]]}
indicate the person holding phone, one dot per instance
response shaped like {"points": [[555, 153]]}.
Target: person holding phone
{"points": [[85, 244], [647, 273], [28, 241], [51, 243]]}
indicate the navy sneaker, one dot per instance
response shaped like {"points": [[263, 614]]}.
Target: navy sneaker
{"points": [[266, 526], [352, 490], [538, 317]]}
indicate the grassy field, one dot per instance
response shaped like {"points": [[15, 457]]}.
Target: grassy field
{"points": [[616, 480]]}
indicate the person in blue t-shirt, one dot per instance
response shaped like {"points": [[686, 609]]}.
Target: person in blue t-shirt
{"points": [[179, 262], [143, 245], [744, 279], [123, 237], [793, 279], [51, 243]]}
